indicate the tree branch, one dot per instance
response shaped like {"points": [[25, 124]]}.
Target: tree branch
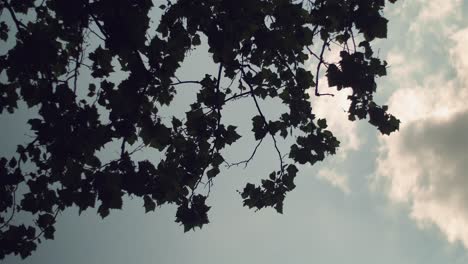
{"points": [[122, 147], [352, 37], [43, 230], [264, 120], [218, 105], [325, 43], [7, 222], [246, 162], [19, 25], [237, 96], [78, 60], [185, 82]]}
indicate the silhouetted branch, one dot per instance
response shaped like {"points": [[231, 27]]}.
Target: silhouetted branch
{"points": [[246, 162], [352, 37], [237, 96], [43, 230], [325, 43], [264, 120], [19, 25], [7, 222], [213, 149], [185, 82], [78, 60], [122, 147]]}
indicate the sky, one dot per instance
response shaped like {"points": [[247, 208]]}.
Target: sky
{"points": [[380, 199]]}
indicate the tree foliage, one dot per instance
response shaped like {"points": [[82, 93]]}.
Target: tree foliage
{"points": [[260, 45]]}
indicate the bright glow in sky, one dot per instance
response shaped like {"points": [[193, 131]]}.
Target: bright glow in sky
{"points": [[423, 166]]}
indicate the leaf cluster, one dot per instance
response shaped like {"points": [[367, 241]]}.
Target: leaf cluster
{"points": [[262, 45]]}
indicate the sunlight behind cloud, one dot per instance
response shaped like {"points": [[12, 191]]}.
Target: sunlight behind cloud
{"points": [[334, 110], [424, 165]]}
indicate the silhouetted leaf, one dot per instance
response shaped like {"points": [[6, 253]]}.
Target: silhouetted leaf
{"points": [[150, 205]]}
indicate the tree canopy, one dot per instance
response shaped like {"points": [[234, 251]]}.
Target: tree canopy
{"points": [[260, 46]]}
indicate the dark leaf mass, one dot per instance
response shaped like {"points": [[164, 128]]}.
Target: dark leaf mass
{"points": [[260, 45]]}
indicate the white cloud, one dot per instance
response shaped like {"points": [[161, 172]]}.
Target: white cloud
{"points": [[336, 179], [458, 53], [424, 17], [425, 164], [399, 66], [436, 10], [334, 110]]}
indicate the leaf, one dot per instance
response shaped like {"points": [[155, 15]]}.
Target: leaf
{"points": [[35, 123], [49, 232], [379, 28], [132, 139], [217, 160], [367, 49], [3, 31], [102, 66], [259, 127], [12, 163], [334, 76], [161, 136], [322, 123], [194, 215], [279, 207], [213, 172], [103, 211], [150, 205], [93, 161], [196, 40], [45, 220], [231, 135]]}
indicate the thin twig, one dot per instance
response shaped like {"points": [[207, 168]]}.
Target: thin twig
{"points": [[19, 25], [122, 147], [237, 96], [265, 121], [13, 209], [325, 43], [43, 230], [246, 162], [213, 149], [96, 34], [352, 37], [317, 57], [79, 58], [185, 82]]}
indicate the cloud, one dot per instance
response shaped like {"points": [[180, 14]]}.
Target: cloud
{"points": [[458, 53], [436, 10], [425, 165], [336, 179], [421, 18], [334, 110], [425, 11]]}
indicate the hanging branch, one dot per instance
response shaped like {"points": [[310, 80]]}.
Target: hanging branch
{"points": [[246, 162], [325, 43], [19, 25], [264, 120]]}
